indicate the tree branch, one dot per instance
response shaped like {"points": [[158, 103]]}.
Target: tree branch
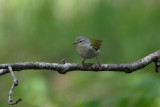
{"points": [[66, 67], [15, 83]]}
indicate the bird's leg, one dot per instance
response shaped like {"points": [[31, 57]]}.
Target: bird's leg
{"points": [[98, 62], [83, 61], [85, 65]]}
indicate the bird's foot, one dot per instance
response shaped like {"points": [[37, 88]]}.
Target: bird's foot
{"points": [[99, 64], [84, 64]]}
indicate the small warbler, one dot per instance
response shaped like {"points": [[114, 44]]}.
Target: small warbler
{"points": [[88, 48]]}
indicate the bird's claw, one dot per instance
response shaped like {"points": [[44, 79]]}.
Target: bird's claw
{"points": [[99, 64]]}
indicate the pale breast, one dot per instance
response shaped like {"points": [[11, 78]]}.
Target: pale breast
{"points": [[87, 52]]}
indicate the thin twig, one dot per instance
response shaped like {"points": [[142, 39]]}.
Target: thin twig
{"points": [[15, 83], [64, 61]]}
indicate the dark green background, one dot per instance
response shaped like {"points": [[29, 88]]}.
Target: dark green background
{"points": [[44, 30]]}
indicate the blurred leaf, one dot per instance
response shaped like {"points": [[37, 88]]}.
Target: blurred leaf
{"points": [[88, 104]]}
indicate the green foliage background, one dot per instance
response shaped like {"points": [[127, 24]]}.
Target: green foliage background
{"points": [[44, 30]]}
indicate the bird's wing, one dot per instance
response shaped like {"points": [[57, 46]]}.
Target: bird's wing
{"points": [[96, 44]]}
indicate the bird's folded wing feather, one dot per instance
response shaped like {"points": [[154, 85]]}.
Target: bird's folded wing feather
{"points": [[96, 44]]}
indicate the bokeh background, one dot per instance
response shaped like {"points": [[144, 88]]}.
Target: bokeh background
{"points": [[44, 30]]}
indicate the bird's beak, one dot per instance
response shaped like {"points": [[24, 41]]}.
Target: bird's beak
{"points": [[75, 43]]}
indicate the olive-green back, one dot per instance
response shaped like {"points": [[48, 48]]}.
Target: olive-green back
{"points": [[96, 44]]}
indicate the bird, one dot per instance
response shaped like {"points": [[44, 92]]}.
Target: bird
{"points": [[88, 48]]}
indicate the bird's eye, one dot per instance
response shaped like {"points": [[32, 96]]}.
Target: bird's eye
{"points": [[80, 41]]}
